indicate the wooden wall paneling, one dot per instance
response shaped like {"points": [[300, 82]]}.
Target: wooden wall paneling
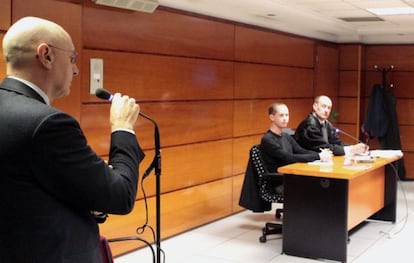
{"points": [[160, 78], [261, 46], [251, 116], [237, 185], [326, 71], [402, 82], [348, 57], [68, 15], [405, 111], [406, 137], [299, 109], [2, 62], [5, 14], [189, 165], [351, 82], [407, 146], [207, 162], [241, 149], [267, 81], [400, 56], [351, 129], [347, 110], [179, 123], [197, 205], [348, 84], [409, 164], [161, 32]]}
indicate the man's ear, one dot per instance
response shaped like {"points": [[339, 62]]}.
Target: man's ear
{"points": [[315, 106], [44, 55]]}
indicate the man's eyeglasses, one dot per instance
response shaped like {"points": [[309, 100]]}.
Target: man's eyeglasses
{"points": [[73, 55]]}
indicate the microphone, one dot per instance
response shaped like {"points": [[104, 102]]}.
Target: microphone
{"points": [[103, 94], [350, 136], [106, 95]]}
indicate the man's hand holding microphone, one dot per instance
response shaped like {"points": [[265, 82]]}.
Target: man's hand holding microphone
{"points": [[124, 112]]}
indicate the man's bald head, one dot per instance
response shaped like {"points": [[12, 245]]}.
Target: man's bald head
{"points": [[22, 38], [42, 53]]}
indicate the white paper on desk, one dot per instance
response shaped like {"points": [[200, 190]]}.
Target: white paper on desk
{"points": [[320, 163], [357, 166], [362, 158], [386, 153]]}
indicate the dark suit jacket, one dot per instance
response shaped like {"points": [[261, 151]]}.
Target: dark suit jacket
{"points": [[250, 195], [51, 179]]}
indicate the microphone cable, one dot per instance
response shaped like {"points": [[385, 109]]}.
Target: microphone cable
{"points": [[389, 234], [136, 239], [141, 229]]}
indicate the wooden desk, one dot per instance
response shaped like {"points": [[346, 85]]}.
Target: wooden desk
{"points": [[322, 204]]}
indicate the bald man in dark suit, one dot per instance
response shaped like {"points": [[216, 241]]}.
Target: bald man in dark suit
{"points": [[51, 180]]}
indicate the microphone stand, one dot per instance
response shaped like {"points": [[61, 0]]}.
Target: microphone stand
{"points": [[156, 165], [349, 135]]}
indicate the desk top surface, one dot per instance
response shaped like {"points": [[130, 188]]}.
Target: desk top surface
{"points": [[336, 169]]}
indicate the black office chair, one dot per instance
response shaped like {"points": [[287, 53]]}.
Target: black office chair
{"points": [[260, 189]]}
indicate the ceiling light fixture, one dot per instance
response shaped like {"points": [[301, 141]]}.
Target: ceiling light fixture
{"points": [[147, 6], [392, 11]]}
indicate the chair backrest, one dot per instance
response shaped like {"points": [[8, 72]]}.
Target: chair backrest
{"points": [[269, 183]]}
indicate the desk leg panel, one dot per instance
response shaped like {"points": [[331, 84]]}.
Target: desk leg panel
{"points": [[389, 212], [315, 217]]}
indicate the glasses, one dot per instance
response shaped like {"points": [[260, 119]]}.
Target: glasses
{"points": [[73, 55]]}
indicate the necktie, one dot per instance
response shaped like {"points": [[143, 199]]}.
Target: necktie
{"points": [[324, 132]]}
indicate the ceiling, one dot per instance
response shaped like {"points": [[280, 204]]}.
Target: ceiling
{"points": [[339, 21]]}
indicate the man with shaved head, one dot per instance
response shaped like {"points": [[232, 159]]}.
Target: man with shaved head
{"points": [[279, 148], [52, 183], [317, 132]]}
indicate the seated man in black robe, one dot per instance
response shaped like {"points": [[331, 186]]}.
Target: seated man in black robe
{"points": [[316, 132]]}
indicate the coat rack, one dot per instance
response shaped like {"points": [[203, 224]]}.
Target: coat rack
{"points": [[384, 72]]}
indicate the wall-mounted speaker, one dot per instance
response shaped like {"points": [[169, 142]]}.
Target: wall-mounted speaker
{"points": [[148, 6]]}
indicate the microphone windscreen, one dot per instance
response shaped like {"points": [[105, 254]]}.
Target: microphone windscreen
{"points": [[103, 94]]}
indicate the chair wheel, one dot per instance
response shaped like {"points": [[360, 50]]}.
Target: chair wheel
{"points": [[262, 239]]}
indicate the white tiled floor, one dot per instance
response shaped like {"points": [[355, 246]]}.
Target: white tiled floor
{"points": [[235, 239]]}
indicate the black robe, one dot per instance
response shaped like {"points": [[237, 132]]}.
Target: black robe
{"points": [[382, 122]]}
